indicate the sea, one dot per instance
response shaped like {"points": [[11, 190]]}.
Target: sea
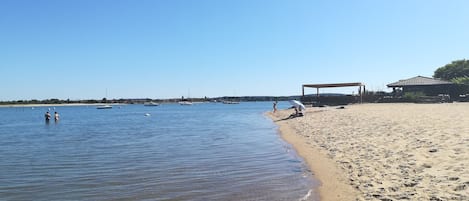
{"points": [[206, 151]]}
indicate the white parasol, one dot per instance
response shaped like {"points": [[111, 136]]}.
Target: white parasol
{"points": [[297, 104]]}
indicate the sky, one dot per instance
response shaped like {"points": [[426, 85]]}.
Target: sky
{"points": [[90, 49]]}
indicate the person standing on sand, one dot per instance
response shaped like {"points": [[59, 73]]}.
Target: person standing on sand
{"points": [[56, 116], [47, 116], [275, 106]]}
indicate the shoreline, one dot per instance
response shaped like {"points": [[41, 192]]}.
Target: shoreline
{"points": [[333, 185], [384, 151]]}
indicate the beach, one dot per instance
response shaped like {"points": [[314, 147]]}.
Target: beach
{"points": [[398, 151]]}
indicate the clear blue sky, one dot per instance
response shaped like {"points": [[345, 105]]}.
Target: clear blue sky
{"points": [[170, 48]]}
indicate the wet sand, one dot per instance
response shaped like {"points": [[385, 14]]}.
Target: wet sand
{"points": [[384, 151]]}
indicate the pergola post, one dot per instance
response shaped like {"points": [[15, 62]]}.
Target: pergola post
{"points": [[361, 94], [303, 89], [364, 91]]}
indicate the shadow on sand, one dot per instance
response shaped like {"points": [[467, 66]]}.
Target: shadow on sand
{"points": [[292, 116]]}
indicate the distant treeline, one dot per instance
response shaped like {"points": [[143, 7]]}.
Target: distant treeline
{"points": [[143, 100]]}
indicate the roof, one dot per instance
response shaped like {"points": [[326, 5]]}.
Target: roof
{"points": [[351, 84], [419, 81]]}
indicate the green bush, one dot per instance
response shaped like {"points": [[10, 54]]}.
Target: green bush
{"points": [[413, 96]]}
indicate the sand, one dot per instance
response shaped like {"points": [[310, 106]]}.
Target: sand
{"points": [[384, 151]]}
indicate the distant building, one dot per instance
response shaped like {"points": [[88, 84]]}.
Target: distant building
{"points": [[428, 86]]}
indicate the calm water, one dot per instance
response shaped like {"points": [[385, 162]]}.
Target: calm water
{"points": [[200, 152]]}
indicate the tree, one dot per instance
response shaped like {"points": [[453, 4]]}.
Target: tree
{"points": [[453, 71], [461, 80], [458, 73]]}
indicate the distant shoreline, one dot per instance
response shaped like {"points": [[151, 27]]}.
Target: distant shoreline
{"points": [[58, 105]]}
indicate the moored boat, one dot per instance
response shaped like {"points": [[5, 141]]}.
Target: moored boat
{"points": [[104, 107], [230, 102], [185, 103], [150, 104]]}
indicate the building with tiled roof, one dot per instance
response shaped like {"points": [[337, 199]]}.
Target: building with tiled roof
{"points": [[419, 81], [429, 86]]}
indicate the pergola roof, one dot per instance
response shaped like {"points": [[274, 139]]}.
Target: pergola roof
{"points": [[350, 84], [419, 81]]}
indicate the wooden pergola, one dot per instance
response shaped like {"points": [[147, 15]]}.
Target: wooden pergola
{"points": [[350, 84]]}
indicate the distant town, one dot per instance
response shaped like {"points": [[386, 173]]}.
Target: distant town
{"points": [[144, 100]]}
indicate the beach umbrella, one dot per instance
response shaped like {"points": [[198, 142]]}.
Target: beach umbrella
{"points": [[297, 104]]}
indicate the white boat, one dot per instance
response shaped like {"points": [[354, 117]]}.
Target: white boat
{"points": [[230, 102], [104, 107], [150, 104], [185, 103]]}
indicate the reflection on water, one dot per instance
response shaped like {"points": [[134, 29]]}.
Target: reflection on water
{"points": [[201, 152]]}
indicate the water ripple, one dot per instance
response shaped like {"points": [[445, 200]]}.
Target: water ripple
{"points": [[204, 152]]}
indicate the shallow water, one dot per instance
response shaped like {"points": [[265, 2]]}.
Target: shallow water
{"points": [[200, 152]]}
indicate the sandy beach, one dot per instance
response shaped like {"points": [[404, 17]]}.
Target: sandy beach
{"points": [[384, 151]]}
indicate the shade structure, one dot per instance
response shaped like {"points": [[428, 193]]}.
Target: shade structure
{"points": [[297, 104], [349, 84]]}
